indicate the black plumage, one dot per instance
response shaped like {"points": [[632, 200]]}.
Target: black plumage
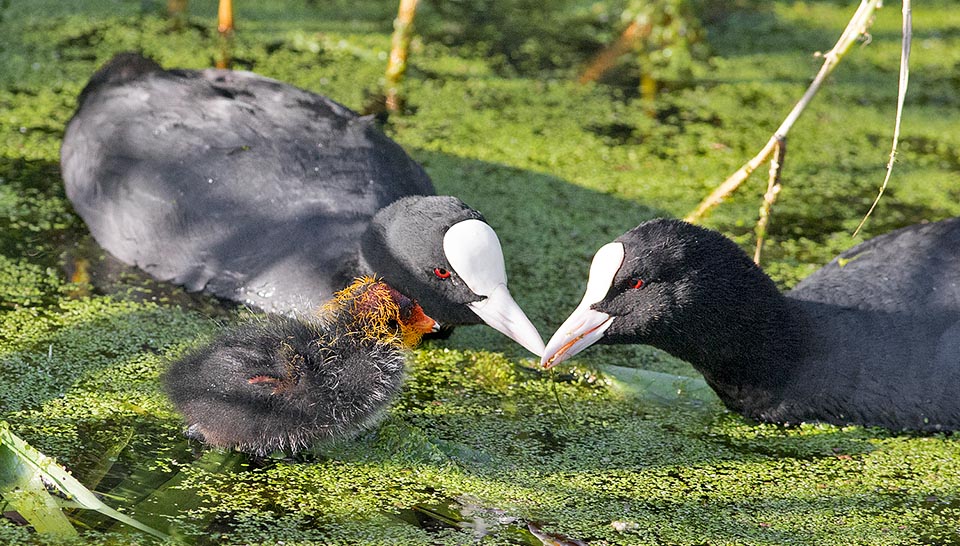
{"points": [[282, 383], [872, 338]]}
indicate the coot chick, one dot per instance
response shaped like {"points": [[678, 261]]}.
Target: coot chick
{"points": [[872, 338], [282, 383], [266, 194]]}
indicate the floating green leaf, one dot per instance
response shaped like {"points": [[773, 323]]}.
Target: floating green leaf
{"points": [[22, 487], [23, 471], [661, 386]]}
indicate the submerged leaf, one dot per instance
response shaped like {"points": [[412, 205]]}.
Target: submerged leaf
{"points": [[661, 386], [22, 469], [22, 487]]}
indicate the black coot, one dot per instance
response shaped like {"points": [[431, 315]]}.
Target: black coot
{"points": [[283, 383], [266, 194], [872, 338]]}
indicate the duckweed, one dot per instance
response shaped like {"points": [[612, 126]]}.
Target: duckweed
{"points": [[481, 442]]}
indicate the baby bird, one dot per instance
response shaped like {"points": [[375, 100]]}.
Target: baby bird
{"points": [[281, 383]]}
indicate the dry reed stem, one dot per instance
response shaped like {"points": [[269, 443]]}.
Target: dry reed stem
{"points": [[901, 95], [604, 60], [857, 27], [399, 49], [770, 197], [225, 28], [225, 16]]}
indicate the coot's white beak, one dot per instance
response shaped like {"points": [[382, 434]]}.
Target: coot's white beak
{"points": [[503, 314], [586, 326], [474, 252], [583, 328]]}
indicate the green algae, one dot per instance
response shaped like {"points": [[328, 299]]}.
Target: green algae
{"points": [[21, 486], [481, 442]]}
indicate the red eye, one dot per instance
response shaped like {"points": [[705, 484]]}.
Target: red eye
{"points": [[441, 273], [638, 284]]}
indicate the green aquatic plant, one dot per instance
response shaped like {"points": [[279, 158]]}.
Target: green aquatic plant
{"points": [[477, 435], [675, 49], [26, 474]]}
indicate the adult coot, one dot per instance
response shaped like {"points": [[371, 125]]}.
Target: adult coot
{"points": [[282, 383], [266, 194], [872, 338]]}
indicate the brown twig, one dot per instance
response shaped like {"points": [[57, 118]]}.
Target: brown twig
{"points": [[604, 60], [901, 95], [177, 11], [857, 26], [399, 49], [225, 28], [770, 197]]}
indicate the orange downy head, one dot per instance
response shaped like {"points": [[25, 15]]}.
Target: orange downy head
{"points": [[381, 313]]}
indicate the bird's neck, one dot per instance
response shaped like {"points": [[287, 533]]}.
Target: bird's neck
{"points": [[745, 340]]}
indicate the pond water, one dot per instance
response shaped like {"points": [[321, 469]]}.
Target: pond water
{"points": [[481, 446]]}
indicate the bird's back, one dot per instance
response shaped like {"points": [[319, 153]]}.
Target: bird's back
{"points": [[910, 270], [229, 182], [882, 334]]}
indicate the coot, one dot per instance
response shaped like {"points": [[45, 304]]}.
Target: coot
{"points": [[285, 383], [872, 338]]}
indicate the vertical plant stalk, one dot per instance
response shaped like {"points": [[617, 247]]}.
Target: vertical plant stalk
{"points": [[225, 29], [605, 60], [225, 17], [177, 11], [901, 95], [648, 91], [770, 197], [858, 26], [176, 7], [399, 49]]}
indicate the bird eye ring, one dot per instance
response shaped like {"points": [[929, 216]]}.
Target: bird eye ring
{"points": [[441, 273], [638, 284]]}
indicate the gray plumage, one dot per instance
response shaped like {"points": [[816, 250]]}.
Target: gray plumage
{"points": [[283, 383], [327, 387], [229, 182]]}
